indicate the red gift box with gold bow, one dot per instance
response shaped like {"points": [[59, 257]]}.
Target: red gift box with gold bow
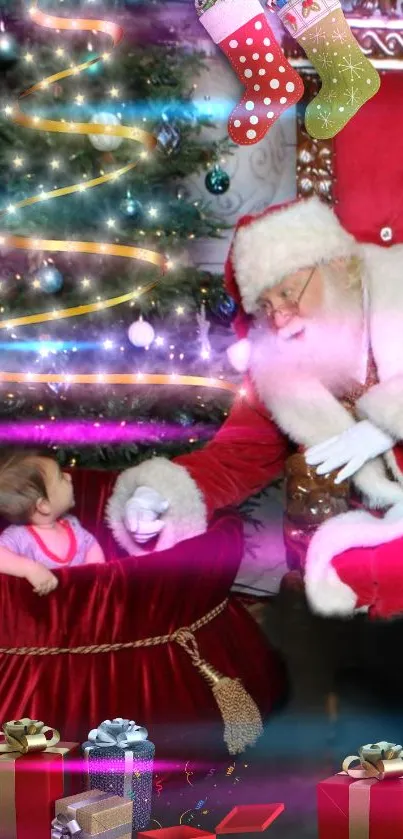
{"points": [[365, 801], [34, 773]]}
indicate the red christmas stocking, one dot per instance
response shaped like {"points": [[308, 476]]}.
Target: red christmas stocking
{"points": [[241, 30]]}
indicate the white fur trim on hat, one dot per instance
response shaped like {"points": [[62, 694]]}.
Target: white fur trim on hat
{"points": [[283, 241]]}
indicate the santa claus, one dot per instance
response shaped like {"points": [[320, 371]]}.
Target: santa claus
{"points": [[320, 323]]}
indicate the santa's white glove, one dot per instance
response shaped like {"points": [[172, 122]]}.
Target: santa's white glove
{"points": [[351, 449], [142, 514]]}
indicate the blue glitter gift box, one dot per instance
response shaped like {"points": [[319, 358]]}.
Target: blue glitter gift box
{"points": [[120, 761]]}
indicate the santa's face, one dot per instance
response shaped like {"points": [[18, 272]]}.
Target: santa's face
{"points": [[312, 322], [298, 293]]}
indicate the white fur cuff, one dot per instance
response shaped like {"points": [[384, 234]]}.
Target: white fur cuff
{"points": [[326, 593], [185, 518]]}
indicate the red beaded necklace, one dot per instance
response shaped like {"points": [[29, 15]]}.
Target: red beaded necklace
{"points": [[72, 548]]}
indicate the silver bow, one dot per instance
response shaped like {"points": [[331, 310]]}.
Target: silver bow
{"points": [[117, 732], [64, 827]]}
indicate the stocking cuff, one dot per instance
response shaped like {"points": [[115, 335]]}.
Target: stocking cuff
{"points": [[300, 15], [227, 16]]}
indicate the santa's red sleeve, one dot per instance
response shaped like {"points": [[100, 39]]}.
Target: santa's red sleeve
{"points": [[246, 454]]}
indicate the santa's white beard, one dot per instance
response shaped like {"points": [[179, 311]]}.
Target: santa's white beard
{"points": [[326, 347]]}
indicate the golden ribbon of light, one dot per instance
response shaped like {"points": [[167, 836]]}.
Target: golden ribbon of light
{"points": [[85, 309], [119, 379], [39, 124]]}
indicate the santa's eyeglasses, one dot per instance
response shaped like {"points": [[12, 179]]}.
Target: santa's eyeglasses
{"points": [[291, 304]]}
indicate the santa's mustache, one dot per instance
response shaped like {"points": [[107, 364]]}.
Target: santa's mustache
{"points": [[294, 326]]}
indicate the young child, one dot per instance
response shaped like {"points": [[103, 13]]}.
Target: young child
{"points": [[35, 497]]}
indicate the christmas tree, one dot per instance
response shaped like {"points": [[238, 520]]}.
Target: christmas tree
{"points": [[116, 192]]}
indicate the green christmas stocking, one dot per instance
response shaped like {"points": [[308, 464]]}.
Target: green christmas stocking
{"points": [[348, 78]]}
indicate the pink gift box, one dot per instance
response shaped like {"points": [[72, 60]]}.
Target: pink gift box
{"points": [[250, 818], [360, 809]]}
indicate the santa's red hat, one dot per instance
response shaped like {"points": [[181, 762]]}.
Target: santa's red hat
{"points": [[280, 240]]}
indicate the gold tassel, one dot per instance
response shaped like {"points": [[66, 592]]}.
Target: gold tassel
{"points": [[242, 721]]}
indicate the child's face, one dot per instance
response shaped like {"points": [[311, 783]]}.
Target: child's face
{"points": [[59, 489]]}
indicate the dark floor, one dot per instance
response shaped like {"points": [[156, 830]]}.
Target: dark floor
{"points": [[346, 682], [346, 686]]}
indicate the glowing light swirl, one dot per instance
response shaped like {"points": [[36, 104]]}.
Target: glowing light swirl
{"points": [[77, 25], [39, 124], [119, 379], [75, 311]]}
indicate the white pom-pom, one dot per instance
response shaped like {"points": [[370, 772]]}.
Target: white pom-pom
{"points": [[104, 142], [141, 333], [239, 355]]}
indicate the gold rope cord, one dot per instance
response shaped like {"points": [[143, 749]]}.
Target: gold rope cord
{"points": [[177, 636]]}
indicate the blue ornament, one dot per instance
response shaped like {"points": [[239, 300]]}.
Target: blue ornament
{"points": [[217, 181], [131, 208], [227, 305], [50, 279], [224, 309]]}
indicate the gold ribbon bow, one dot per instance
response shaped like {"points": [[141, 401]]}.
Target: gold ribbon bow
{"points": [[27, 735], [375, 760]]}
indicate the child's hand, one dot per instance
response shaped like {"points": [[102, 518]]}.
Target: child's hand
{"points": [[42, 580]]}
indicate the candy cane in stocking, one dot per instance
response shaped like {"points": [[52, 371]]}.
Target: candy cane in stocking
{"points": [[241, 30], [348, 78]]}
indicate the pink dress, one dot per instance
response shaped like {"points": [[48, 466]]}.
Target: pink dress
{"points": [[25, 541]]}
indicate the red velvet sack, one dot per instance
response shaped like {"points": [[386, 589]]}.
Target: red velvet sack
{"points": [[131, 600]]}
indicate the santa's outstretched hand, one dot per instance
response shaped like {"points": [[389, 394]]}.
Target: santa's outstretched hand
{"points": [[350, 450], [142, 514]]}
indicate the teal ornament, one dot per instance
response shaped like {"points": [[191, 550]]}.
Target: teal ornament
{"points": [[131, 208], [217, 181], [9, 51], [51, 280]]}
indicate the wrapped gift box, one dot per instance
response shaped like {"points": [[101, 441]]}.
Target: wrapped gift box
{"points": [[250, 818], [360, 809], [98, 814], [180, 831], [120, 761], [246, 818], [29, 786]]}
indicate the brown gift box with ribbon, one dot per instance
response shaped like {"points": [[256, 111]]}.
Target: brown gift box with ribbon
{"points": [[365, 801], [34, 773], [93, 813]]}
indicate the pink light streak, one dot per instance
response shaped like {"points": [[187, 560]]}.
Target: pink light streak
{"points": [[80, 765], [90, 433]]}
